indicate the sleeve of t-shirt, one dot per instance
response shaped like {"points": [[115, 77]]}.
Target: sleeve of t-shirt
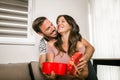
{"points": [[42, 47]]}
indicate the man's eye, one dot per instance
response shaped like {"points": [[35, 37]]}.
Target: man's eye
{"points": [[48, 29]]}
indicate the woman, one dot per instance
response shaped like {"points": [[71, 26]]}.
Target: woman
{"points": [[67, 43]]}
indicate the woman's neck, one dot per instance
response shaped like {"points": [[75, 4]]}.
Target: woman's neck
{"points": [[65, 38]]}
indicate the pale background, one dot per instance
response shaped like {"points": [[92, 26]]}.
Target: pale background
{"points": [[78, 9]]}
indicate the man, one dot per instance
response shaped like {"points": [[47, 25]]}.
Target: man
{"points": [[45, 28]]}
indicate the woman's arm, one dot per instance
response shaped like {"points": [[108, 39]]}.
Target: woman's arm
{"points": [[49, 50], [50, 57]]}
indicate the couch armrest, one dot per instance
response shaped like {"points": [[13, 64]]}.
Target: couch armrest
{"points": [[35, 71], [14, 71]]}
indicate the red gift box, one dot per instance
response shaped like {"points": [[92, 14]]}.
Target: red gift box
{"points": [[58, 68], [74, 60]]}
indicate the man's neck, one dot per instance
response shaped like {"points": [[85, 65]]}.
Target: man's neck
{"points": [[49, 38]]}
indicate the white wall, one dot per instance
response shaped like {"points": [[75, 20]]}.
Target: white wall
{"points": [[78, 9], [105, 16]]}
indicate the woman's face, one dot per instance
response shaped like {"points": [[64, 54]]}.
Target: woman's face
{"points": [[63, 26]]}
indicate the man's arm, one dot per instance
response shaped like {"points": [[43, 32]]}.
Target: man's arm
{"points": [[86, 60], [88, 54], [89, 50], [42, 51], [42, 59]]}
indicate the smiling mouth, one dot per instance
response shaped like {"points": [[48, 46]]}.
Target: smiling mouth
{"points": [[53, 31]]}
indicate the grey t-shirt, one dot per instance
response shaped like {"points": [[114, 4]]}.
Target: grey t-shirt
{"points": [[42, 46]]}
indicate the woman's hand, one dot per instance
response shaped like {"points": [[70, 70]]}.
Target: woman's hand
{"points": [[77, 70], [82, 64], [51, 76], [81, 73]]}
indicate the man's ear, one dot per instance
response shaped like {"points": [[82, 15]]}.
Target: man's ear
{"points": [[41, 34]]}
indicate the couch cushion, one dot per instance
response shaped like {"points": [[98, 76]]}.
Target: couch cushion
{"points": [[14, 71], [35, 71]]}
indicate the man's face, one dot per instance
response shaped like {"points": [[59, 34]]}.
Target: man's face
{"points": [[48, 29]]}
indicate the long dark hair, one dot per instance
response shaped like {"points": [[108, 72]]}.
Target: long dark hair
{"points": [[74, 36]]}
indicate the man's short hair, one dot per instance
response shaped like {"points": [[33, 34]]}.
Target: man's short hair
{"points": [[37, 23]]}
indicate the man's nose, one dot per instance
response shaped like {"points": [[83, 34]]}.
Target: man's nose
{"points": [[52, 27]]}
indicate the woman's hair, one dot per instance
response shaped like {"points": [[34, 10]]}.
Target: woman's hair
{"points": [[74, 36]]}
